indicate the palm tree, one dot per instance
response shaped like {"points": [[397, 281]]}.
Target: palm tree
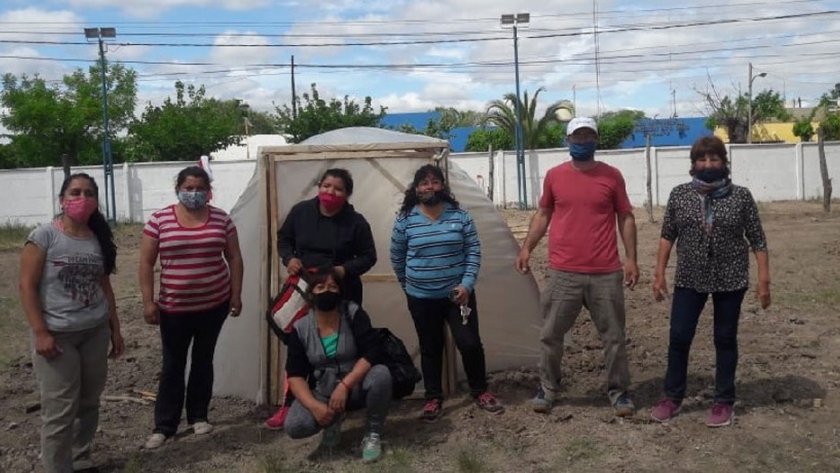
{"points": [[502, 113]]}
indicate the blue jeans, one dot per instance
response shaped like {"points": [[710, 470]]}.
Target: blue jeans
{"points": [[685, 312]]}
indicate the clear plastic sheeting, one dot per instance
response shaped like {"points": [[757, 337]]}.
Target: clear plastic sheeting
{"points": [[508, 303]]}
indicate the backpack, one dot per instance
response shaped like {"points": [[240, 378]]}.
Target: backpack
{"points": [[287, 307], [394, 355]]}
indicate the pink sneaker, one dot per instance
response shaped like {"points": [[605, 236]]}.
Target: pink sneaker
{"points": [[665, 410], [489, 403], [721, 415], [432, 410], [277, 421]]}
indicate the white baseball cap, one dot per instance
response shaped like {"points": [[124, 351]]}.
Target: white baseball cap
{"points": [[581, 122]]}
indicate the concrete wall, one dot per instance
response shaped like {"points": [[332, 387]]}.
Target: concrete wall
{"points": [[772, 172]]}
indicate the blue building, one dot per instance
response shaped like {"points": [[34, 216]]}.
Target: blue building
{"points": [[667, 132]]}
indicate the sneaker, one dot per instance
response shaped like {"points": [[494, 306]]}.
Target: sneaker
{"points": [[371, 448], [154, 441], [432, 410], [489, 403], [277, 421], [624, 406], [202, 428], [721, 415], [665, 410], [541, 403], [332, 435]]}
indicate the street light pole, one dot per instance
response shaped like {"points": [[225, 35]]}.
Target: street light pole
{"points": [[750, 100], [100, 34], [515, 22]]}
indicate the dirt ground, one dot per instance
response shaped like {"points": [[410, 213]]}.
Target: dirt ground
{"points": [[788, 380]]}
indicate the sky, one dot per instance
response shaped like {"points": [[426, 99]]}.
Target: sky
{"points": [[650, 55]]}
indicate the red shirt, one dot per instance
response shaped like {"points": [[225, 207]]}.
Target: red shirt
{"points": [[582, 236], [194, 276]]}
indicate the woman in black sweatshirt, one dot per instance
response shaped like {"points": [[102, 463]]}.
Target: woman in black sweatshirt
{"points": [[326, 231]]}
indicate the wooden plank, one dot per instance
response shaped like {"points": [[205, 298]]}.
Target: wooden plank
{"points": [[275, 364], [350, 147], [379, 278], [265, 281], [352, 155]]}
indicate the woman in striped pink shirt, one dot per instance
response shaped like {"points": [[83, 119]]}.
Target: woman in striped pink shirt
{"points": [[200, 285]]}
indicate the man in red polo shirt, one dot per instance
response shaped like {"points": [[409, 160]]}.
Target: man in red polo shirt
{"points": [[583, 199]]}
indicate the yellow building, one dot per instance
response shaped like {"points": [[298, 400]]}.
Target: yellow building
{"points": [[770, 132]]}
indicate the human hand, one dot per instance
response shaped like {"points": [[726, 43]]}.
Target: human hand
{"points": [[338, 400], [522, 261], [660, 288], [117, 345], [46, 346], [235, 306], [763, 294], [460, 295], [323, 414], [151, 313], [631, 274], [294, 267]]}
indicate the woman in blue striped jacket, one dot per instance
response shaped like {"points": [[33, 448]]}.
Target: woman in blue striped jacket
{"points": [[436, 255]]}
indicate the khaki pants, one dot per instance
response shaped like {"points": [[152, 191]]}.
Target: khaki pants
{"points": [[565, 294], [70, 385]]}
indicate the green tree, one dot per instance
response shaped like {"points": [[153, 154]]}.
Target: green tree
{"points": [[803, 129], [831, 123], [315, 115], [186, 128], [49, 120], [615, 127], [483, 138], [502, 113], [733, 113]]}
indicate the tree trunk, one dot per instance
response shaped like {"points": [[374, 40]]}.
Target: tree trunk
{"points": [[65, 164], [826, 181], [491, 174]]}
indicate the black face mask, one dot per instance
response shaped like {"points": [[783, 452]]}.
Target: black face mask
{"points": [[430, 198], [326, 301], [710, 175]]}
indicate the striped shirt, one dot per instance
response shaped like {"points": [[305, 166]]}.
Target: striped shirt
{"points": [[432, 258], [194, 276]]}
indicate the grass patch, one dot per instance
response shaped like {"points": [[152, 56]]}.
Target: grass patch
{"points": [[133, 465], [581, 449], [13, 236], [275, 464], [13, 332], [470, 462], [809, 300]]}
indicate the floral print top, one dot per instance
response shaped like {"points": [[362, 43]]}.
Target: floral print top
{"points": [[716, 261]]}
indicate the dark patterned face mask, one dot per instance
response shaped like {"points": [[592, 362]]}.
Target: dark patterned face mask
{"points": [[193, 200]]}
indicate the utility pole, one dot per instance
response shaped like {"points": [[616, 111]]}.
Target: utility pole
{"points": [[294, 97], [100, 34]]}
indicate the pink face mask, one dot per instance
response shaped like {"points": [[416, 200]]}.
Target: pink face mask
{"points": [[331, 202], [79, 210]]}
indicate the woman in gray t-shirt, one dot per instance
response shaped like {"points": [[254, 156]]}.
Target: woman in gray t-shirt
{"points": [[66, 293]]}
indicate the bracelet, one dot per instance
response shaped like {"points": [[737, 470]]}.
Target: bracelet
{"points": [[344, 384]]}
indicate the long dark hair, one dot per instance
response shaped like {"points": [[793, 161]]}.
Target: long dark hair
{"points": [[410, 199], [97, 224]]}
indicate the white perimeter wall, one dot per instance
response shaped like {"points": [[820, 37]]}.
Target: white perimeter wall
{"points": [[771, 172]]}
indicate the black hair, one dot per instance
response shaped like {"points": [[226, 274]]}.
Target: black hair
{"points": [[342, 174], [97, 224], [319, 276], [410, 199], [708, 145], [192, 171]]}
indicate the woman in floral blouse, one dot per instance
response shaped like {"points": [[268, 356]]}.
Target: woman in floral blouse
{"points": [[714, 224]]}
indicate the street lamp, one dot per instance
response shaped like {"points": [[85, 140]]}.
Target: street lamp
{"points": [[100, 35], [519, 20], [750, 104]]}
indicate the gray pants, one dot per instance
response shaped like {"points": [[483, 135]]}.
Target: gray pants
{"points": [[564, 296], [374, 393], [70, 385]]}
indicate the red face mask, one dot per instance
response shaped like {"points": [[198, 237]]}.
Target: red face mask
{"points": [[331, 202], [80, 210]]}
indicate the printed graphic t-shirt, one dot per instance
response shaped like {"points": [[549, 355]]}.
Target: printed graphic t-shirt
{"points": [[71, 292]]}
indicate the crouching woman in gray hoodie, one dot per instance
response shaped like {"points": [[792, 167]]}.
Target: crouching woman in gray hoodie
{"points": [[336, 348]]}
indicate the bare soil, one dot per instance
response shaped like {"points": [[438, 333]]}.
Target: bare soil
{"points": [[788, 380]]}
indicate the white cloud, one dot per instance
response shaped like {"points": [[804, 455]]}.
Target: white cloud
{"points": [[155, 8], [230, 49], [34, 24]]}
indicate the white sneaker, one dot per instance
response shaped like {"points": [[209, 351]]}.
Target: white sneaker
{"points": [[154, 441], [202, 428]]}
